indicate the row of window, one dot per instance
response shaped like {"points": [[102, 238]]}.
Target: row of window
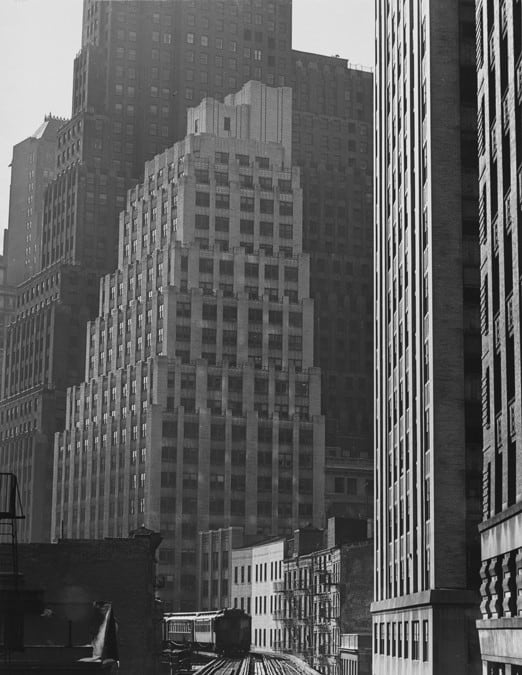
{"points": [[393, 639], [246, 203]]}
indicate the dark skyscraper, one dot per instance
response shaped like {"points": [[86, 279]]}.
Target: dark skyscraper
{"points": [[32, 168]]}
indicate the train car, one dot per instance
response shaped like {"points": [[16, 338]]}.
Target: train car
{"points": [[226, 631], [178, 629], [233, 632]]}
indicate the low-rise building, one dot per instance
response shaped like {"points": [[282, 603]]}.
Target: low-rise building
{"points": [[241, 586], [257, 569], [326, 591], [62, 583], [356, 654]]}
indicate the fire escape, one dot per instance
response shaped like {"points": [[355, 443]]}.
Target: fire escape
{"points": [[308, 614]]}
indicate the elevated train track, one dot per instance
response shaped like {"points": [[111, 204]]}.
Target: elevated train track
{"points": [[257, 663]]}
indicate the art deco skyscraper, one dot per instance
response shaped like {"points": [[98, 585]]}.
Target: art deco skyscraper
{"points": [[200, 407], [499, 49], [140, 66], [427, 381], [142, 63]]}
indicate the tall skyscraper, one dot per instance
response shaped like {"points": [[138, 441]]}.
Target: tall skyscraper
{"points": [[142, 63], [33, 167], [200, 407], [140, 66], [427, 370], [499, 46]]}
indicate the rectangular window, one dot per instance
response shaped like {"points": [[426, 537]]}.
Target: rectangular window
{"points": [[271, 272], [425, 640], [202, 199], [266, 229], [246, 203], [246, 226], [222, 201], [415, 640], [202, 221]]}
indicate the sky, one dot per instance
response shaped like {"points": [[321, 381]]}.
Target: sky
{"points": [[40, 38]]}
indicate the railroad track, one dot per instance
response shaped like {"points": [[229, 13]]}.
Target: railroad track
{"points": [[256, 664]]}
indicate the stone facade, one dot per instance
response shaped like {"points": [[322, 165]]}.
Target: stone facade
{"points": [[499, 47], [201, 405], [325, 592], [427, 370]]}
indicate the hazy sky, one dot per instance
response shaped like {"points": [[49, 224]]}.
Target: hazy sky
{"points": [[39, 39]]}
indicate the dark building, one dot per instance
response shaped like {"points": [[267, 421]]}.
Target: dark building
{"points": [[141, 65], [64, 580], [427, 372], [333, 145], [33, 167], [499, 48], [7, 300]]}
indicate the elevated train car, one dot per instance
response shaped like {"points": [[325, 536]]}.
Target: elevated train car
{"points": [[225, 631]]}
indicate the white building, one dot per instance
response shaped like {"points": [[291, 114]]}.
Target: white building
{"points": [[256, 572]]}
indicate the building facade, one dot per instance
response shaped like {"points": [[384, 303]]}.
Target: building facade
{"points": [[325, 592], [215, 566], [141, 65], [7, 303], [267, 571], [33, 167], [241, 581], [201, 406], [348, 484], [256, 572], [427, 371], [333, 145], [499, 45]]}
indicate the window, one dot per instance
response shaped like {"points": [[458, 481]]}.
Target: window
{"points": [[266, 206], [221, 157], [222, 201], [266, 229], [246, 203], [202, 199], [246, 226], [202, 221], [285, 231], [190, 38], [271, 272], [222, 224], [425, 640], [415, 640], [206, 265]]}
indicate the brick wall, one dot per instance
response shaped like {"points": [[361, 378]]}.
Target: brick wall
{"points": [[118, 570]]}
